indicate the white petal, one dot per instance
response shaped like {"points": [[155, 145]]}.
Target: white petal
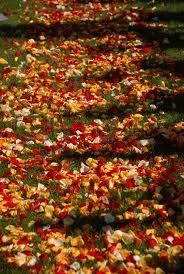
{"points": [[75, 266], [32, 261], [144, 142]]}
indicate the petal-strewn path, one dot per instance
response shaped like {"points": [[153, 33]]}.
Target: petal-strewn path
{"points": [[91, 139]]}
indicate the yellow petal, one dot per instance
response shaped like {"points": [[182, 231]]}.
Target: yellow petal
{"points": [[49, 209], [77, 241], [159, 271], [174, 250], [3, 61], [138, 116]]}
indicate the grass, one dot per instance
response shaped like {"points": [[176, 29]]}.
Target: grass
{"points": [[166, 26], [169, 13]]}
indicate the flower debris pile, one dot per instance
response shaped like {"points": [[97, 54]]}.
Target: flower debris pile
{"points": [[85, 184]]}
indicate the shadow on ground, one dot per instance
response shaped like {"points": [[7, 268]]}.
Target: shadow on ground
{"points": [[165, 16]]}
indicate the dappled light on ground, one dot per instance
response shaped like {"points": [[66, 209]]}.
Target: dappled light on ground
{"points": [[91, 137]]}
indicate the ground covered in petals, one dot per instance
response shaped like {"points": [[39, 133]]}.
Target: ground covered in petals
{"points": [[91, 137]]}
